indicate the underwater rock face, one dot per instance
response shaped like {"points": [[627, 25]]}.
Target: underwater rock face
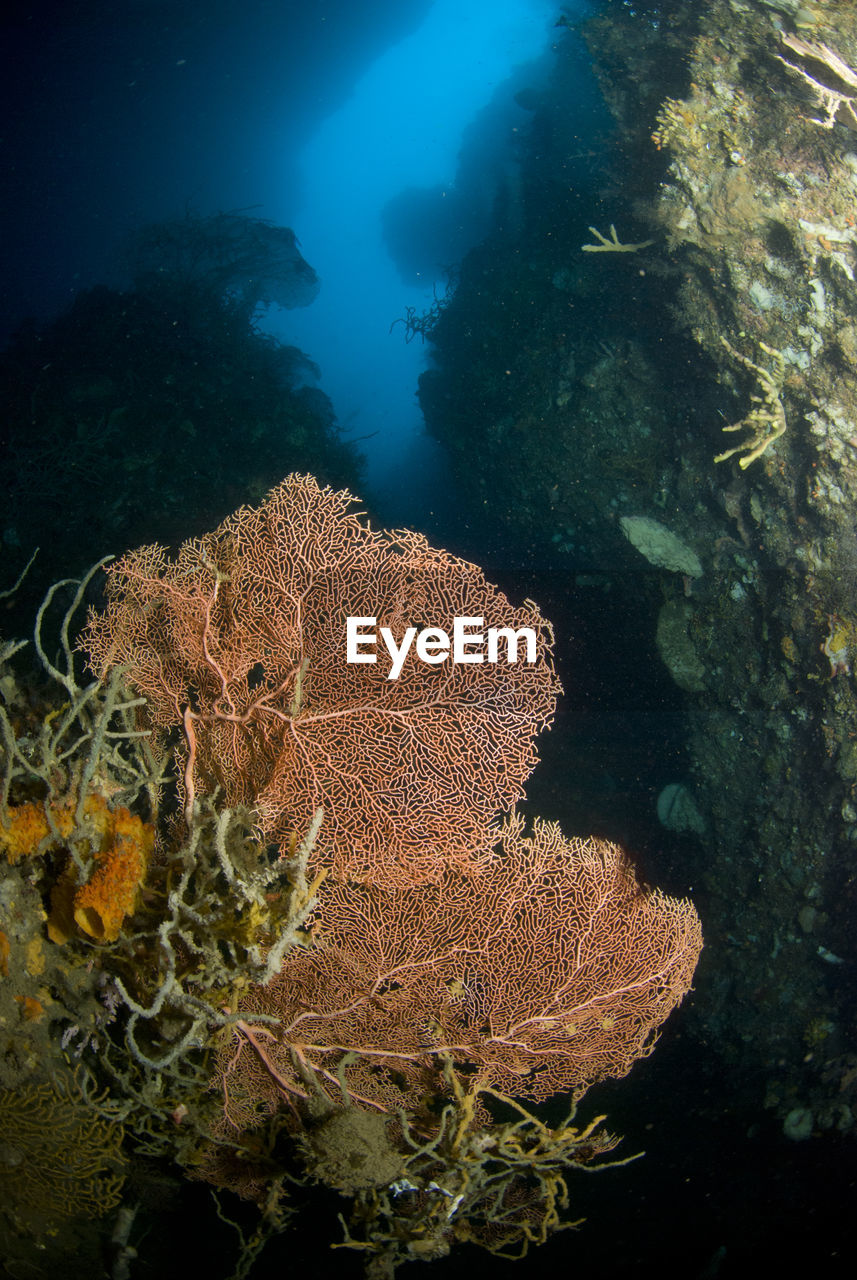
{"points": [[227, 255], [755, 205], [714, 386], [798, 1124], [676, 647]]}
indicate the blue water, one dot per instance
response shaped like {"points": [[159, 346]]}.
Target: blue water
{"points": [[318, 116]]}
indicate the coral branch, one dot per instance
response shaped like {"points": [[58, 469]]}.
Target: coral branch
{"points": [[613, 245], [829, 77], [767, 421]]}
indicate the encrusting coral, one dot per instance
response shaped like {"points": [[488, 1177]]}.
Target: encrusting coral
{"points": [[116, 844]]}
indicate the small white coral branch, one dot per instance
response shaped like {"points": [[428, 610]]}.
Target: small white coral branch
{"points": [[830, 78], [766, 421], [614, 244]]}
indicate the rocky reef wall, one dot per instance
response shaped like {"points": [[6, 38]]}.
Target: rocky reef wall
{"points": [[672, 338]]}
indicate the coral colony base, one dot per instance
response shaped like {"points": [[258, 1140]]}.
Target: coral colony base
{"points": [[323, 960]]}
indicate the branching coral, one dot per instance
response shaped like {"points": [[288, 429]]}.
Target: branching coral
{"points": [[219, 914], [71, 758], [59, 1158], [829, 77], [498, 1183], [88, 743], [230, 914], [178, 934], [614, 244], [767, 421], [352, 993]]}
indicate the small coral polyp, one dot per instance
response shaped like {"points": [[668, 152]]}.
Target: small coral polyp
{"points": [[835, 647]]}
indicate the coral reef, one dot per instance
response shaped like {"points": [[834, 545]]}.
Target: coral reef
{"points": [[757, 208], [117, 957], [246, 997], [502, 1186]]}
